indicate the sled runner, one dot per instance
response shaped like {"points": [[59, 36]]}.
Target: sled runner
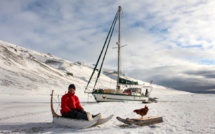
{"points": [[76, 123], [142, 121], [103, 120]]}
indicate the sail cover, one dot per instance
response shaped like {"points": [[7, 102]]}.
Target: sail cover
{"points": [[128, 82]]}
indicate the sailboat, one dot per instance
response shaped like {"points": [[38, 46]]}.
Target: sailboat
{"points": [[134, 92]]}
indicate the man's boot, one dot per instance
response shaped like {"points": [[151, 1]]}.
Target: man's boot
{"points": [[89, 116]]}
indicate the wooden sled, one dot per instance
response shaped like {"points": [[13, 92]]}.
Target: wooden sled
{"points": [[141, 122], [76, 123]]}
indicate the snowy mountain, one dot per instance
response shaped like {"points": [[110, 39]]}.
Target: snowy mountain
{"points": [[28, 71], [31, 72]]}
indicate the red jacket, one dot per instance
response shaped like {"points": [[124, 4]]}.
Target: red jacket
{"points": [[69, 101]]}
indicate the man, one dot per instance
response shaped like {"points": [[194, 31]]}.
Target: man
{"points": [[71, 107], [147, 93]]}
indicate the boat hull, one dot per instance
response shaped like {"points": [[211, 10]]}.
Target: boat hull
{"points": [[108, 97]]}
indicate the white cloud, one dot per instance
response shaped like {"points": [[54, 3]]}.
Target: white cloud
{"points": [[171, 34]]}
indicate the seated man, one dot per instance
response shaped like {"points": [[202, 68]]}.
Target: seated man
{"points": [[71, 107]]}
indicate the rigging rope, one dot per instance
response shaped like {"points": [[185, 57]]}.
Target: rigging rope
{"points": [[105, 52], [128, 63], [115, 18]]}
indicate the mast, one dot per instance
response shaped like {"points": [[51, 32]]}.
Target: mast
{"points": [[119, 45]]}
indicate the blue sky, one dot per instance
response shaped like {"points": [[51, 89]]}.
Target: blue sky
{"points": [[169, 41]]}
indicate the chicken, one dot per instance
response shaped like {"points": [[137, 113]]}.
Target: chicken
{"points": [[142, 111]]}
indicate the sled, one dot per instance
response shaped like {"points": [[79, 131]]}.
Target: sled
{"points": [[141, 121], [76, 123]]}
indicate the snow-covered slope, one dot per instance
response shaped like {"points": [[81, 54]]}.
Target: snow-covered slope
{"points": [[30, 72]]}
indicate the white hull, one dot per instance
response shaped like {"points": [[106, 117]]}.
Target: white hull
{"points": [[118, 97], [74, 123]]}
